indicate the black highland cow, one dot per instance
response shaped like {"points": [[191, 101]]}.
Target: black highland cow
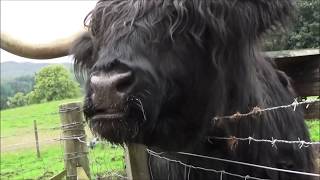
{"points": [[159, 70]]}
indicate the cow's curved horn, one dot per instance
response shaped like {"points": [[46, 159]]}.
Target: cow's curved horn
{"points": [[54, 49]]}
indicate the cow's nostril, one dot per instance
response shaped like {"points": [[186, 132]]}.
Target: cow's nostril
{"points": [[110, 88], [110, 83]]}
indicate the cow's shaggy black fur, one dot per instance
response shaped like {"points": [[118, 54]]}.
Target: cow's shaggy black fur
{"points": [[194, 60]]}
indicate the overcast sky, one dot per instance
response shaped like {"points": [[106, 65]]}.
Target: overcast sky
{"points": [[42, 21]]}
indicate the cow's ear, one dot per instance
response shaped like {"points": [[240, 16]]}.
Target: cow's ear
{"points": [[83, 51]]}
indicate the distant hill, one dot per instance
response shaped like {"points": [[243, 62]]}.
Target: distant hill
{"points": [[11, 70]]}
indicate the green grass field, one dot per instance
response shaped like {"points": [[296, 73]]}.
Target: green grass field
{"points": [[23, 164], [18, 155], [20, 161], [17, 120], [314, 129]]}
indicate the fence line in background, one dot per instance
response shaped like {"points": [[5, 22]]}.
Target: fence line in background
{"points": [[33, 116], [273, 141], [32, 131]]}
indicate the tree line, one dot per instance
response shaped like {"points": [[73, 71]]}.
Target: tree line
{"points": [[304, 31], [53, 82]]}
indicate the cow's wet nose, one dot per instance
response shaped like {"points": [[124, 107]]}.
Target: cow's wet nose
{"points": [[110, 88]]}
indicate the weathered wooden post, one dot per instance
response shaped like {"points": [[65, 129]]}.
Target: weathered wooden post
{"points": [[75, 148], [36, 137], [136, 162]]}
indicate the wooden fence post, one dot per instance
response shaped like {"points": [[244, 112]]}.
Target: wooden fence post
{"points": [[36, 137], [137, 162], [75, 148]]}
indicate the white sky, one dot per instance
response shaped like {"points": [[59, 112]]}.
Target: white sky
{"points": [[42, 21]]}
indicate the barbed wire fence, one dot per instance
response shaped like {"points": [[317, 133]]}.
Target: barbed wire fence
{"points": [[255, 111], [100, 157]]}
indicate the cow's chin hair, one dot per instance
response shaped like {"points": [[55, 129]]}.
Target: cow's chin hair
{"points": [[121, 130], [114, 131], [130, 128]]}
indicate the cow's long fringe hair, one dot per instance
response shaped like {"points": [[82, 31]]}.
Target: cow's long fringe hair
{"points": [[118, 18], [113, 20]]}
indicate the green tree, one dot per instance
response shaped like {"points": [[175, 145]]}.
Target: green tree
{"points": [[305, 31], [53, 83], [17, 100], [31, 98]]}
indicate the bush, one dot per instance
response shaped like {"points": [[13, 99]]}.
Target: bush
{"points": [[17, 100], [53, 82]]}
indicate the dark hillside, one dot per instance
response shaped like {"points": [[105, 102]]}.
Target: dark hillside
{"points": [[11, 70]]}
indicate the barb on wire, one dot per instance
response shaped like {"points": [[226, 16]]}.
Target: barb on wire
{"points": [[258, 110], [273, 141], [221, 172]]}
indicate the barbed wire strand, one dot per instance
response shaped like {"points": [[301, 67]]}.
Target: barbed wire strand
{"points": [[74, 138], [30, 142], [258, 110], [273, 141], [249, 164], [155, 154], [31, 131], [29, 116], [49, 140], [58, 127], [73, 124]]}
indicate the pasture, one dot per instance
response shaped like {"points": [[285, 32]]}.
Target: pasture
{"points": [[18, 153]]}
